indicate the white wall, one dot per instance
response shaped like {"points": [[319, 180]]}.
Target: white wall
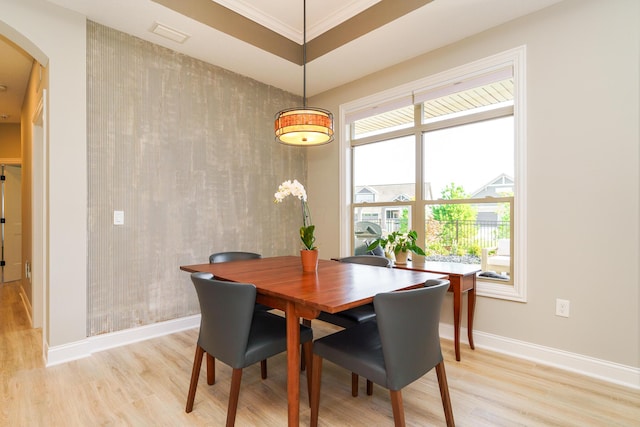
{"points": [[582, 175], [57, 38]]}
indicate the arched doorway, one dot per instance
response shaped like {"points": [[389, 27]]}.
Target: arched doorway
{"points": [[60, 84], [31, 117]]}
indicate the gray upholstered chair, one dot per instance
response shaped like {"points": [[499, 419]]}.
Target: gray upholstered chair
{"points": [[237, 335], [354, 377], [397, 348], [237, 256], [232, 256], [356, 315], [376, 260], [363, 313]]}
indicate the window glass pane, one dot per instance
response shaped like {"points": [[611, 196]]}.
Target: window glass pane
{"points": [[392, 120], [482, 98], [473, 160], [471, 233], [371, 222], [384, 171]]}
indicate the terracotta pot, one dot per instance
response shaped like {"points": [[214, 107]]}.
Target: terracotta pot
{"points": [[309, 260]]}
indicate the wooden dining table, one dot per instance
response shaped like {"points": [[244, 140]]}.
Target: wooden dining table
{"points": [[335, 286]]}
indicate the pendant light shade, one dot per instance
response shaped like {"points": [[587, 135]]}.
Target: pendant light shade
{"points": [[304, 126]]}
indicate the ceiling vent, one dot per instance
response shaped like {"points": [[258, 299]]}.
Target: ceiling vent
{"points": [[169, 33]]}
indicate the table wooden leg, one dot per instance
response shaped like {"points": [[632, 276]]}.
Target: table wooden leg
{"points": [[457, 314], [293, 364], [471, 307]]}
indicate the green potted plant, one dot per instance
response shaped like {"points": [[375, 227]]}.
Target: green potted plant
{"points": [[399, 244]]}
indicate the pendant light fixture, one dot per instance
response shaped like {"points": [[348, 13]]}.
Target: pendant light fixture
{"points": [[304, 126]]}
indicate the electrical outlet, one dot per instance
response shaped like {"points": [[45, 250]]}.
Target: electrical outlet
{"points": [[562, 307]]}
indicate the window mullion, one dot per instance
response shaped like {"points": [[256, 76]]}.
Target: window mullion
{"points": [[471, 118], [418, 216]]}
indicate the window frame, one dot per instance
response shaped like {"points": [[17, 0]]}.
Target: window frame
{"points": [[394, 98]]}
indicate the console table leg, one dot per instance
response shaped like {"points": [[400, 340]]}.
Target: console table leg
{"points": [[457, 314], [471, 306]]}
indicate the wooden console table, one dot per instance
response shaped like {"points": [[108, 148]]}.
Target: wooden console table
{"points": [[463, 280]]}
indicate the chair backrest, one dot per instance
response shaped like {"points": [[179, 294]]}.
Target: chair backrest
{"points": [[379, 261], [232, 256], [435, 282], [408, 322], [370, 229], [226, 313]]}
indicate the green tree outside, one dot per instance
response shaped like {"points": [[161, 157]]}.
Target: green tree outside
{"points": [[452, 236], [404, 221]]}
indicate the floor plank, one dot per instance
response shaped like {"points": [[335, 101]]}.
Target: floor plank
{"points": [[146, 384]]}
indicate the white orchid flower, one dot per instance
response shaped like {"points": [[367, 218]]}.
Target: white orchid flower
{"points": [[294, 188]]}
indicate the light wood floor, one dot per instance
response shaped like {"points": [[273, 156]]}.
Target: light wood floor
{"points": [[145, 384]]}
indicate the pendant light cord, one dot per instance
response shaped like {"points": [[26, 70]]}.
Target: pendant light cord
{"points": [[304, 53], [306, 126]]}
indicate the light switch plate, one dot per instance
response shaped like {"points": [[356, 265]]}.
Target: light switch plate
{"points": [[118, 217]]}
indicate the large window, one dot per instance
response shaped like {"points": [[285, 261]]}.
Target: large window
{"points": [[470, 165], [446, 161]]}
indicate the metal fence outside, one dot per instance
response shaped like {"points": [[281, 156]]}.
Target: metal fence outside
{"points": [[459, 236], [467, 234]]}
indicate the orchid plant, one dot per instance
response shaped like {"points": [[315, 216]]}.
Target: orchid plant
{"points": [[289, 188]]}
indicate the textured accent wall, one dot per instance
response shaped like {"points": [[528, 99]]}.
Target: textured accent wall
{"points": [[186, 150]]}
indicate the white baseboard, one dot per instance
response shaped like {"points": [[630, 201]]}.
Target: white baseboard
{"points": [[80, 349], [608, 371]]}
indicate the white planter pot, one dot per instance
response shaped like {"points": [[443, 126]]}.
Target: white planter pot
{"points": [[401, 257]]}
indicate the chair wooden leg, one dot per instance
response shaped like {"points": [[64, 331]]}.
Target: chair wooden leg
{"points": [[444, 394], [316, 379], [211, 370], [369, 388], [195, 373], [305, 322], [263, 369], [354, 384], [398, 409], [234, 395], [307, 349]]}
